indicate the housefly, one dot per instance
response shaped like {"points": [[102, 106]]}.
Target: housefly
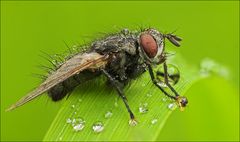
{"points": [[120, 57]]}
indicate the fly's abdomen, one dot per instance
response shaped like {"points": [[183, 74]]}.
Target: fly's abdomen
{"points": [[62, 89]]}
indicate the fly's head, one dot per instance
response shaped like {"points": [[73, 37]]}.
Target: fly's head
{"points": [[152, 45]]}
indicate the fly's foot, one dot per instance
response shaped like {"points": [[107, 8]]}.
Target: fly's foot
{"points": [[133, 122], [182, 102]]}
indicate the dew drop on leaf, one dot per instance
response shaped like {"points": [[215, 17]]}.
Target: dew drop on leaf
{"points": [[78, 124], [164, 99], [143, 108], [172, 106], [149, 95], [73, 121], [162, 84], [154, 121], [78, 127], [108, 114], [69, 120], [98, 127]]}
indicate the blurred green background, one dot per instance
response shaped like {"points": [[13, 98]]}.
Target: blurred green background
{"points": [[209, 29]]}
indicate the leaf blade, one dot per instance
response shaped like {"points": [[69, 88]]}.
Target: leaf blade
{"points": [[99, 98]]}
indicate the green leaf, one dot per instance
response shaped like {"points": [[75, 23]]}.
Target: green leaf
{"points": [[94, 99]]}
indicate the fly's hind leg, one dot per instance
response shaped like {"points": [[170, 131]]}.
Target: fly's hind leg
{"points": [[120, 92]]}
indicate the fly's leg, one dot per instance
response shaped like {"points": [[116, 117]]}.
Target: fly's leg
{"points": [[167, 81], [181, 101], [174, 78], [115, 83], [156, 82]]}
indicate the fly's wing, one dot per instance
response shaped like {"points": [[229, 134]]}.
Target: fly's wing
{"points": [[71, 67]]}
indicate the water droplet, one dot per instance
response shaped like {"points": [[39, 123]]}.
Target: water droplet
{"points": [[73, 106], [143, 84], [75, 112], [162, 84], [79, 100], [98, 127], [108, 114], [73, 121], [154, 121], [75, 46], [78, 124], [55, 62], [79, 120], [149, 95], [125, 31], [69, 121], [78, 127], [164, 99], [143, 108], [172, 106], [132, 122]]}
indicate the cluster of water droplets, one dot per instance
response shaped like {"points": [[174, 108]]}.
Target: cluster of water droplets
{"points": [[143, 108], [78, 123]]}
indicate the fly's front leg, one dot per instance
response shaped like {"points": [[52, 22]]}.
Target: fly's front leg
{"points": [[115, 83], [167, 81], [181, 101]]}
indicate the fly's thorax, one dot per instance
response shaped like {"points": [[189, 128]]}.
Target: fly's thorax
{"points": [[151, 46]]}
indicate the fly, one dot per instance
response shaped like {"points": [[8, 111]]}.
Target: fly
{"points": [[120, 57]]}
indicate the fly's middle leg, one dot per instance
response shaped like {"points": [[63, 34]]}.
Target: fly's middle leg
{"points": [[119, 91]]}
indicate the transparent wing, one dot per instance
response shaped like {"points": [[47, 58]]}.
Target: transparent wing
{"points": [[71, 67]]}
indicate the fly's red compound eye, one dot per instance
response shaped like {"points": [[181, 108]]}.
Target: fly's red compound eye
{"points": [[149, 45]]}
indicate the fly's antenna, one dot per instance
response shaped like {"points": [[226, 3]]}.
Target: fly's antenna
{"points": [[174, 39]]}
